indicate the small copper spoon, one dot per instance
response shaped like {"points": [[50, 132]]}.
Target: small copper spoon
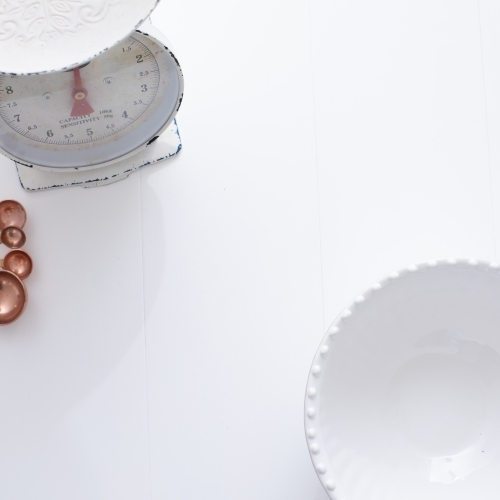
{"points": [[12, 213], [19, 263], [13, 237], [13, 297]]}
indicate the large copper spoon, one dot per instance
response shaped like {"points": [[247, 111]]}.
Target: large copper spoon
{"points": [[13, 297]]}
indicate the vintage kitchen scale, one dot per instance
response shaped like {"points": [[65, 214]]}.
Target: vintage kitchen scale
{"points": [[89, 90]]}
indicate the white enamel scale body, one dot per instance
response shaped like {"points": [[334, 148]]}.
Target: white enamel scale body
{"points": [[95, 116]]}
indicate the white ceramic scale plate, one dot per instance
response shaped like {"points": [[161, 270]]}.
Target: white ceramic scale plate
{"points": [[38, 36], [403, 398]]}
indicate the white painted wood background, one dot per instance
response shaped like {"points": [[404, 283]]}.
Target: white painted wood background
{"points": [[173, 316]]}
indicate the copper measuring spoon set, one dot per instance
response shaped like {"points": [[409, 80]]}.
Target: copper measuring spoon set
{"points": [[16, 266]]}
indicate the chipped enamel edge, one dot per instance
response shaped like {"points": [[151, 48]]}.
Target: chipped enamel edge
{"points": [[311, 400]]}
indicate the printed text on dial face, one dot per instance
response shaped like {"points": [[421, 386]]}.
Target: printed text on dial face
{"points": [[122, 83]]}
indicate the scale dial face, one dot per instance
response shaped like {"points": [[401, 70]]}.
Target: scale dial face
{"points": [[93, 115]]}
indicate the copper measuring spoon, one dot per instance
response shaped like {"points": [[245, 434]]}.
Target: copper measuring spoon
{"points": [[13, 237], [12, 220], [12, 213], [13, 297], [19, 263], [17, 266]]}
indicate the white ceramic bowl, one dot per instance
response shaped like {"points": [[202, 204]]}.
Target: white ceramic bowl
{"points": [[403, 397], [54, 35]]}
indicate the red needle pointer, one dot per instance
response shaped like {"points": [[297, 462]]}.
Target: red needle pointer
{"points": [[81, 106]]}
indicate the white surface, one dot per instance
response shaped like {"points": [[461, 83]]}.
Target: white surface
{"points": [[292, 186], [403, 397], [53, 35]]}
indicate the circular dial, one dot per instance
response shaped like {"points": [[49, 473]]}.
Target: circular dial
{"points": [[91, 115], [58, 109]]}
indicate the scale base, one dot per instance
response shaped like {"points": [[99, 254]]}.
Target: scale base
{"points": [[167, 145]]}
